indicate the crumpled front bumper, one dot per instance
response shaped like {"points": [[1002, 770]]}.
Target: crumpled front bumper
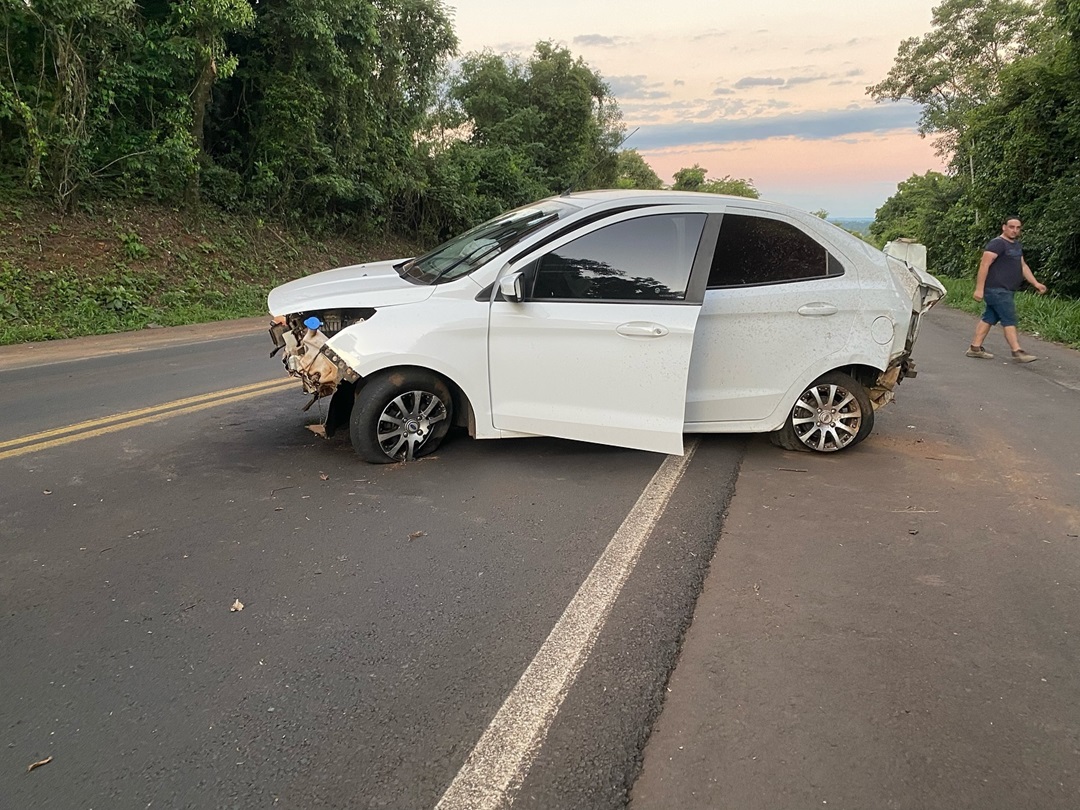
{"points": [[309, 358]]}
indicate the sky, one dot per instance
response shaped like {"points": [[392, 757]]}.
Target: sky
{"points": [[772, 91]]}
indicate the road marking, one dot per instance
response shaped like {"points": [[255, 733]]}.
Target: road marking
{"points": [[143, 416], [497, 767]]}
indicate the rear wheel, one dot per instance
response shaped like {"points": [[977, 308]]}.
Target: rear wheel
{"points": [[831, 415], [400, 416]]}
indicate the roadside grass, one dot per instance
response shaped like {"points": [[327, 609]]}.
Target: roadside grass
{"points": [[1049, 317], [64, 303], [113, 267]]}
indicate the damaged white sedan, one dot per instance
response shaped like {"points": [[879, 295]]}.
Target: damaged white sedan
{"points": [[625, 318]]}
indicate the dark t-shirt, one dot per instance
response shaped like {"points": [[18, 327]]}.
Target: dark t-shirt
{"points": [[1006, 272]]}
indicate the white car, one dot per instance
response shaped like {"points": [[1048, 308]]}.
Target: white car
{"points": [[625, 318]]}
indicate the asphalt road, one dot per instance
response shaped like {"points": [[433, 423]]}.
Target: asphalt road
{"points": [[892, 627], [899, 626], [388, 610]]}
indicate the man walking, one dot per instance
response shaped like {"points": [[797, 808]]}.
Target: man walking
{"points": [[1002, 272]]}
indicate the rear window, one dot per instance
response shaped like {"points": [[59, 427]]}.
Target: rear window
{"points": [[757, 250]]}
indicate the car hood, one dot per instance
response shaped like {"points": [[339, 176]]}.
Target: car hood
{"points": [[376, 284]]}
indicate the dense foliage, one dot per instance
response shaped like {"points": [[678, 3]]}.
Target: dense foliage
{"points": [[507, 132], [694, 179], [634, 172], [1000, 84], [330, 113]]}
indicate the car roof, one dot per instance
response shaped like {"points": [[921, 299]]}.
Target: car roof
{"points": [[611, 197], [614, 198]]}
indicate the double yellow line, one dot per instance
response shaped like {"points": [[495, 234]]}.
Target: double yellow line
{"points": [[144, 416]]}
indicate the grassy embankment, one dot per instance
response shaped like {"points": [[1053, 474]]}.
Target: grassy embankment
{"points": [[1046, 316], [113, 268]]}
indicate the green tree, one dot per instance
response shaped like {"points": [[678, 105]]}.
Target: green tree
{"points": [[110, 93], [932, 209], [1027, 146], [734, 186], [955, 67], [689, 179], [634, 172], [54, 55], [321, 119], [694, 179], [204, 24], [553, 111]]}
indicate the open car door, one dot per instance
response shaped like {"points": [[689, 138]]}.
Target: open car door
{"points": [[590, 336]]}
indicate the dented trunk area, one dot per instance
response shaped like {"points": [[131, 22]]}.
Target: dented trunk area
{"points": [[302, 340]]}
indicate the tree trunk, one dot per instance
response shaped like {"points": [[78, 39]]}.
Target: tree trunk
{"points": [[200, 99]]}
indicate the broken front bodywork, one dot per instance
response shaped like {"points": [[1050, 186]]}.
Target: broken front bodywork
{"points": [[302, 340], [308, 313]]}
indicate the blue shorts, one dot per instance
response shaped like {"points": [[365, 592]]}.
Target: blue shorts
{"points": [[1000, 307]]}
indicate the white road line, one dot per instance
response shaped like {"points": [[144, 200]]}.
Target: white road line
{"points": [[497, 766]]}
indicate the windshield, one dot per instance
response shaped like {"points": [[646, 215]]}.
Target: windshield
{"points": [[464, 253]]}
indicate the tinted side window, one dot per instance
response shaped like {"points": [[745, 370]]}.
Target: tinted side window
{"points": [[755, 250], [643, 259]]}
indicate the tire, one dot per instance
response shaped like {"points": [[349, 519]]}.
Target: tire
{"points": [[400, 416], [833, 414]]}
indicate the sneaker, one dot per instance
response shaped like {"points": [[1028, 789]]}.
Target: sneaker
{"points": [[1020, 356], [980, 352]]}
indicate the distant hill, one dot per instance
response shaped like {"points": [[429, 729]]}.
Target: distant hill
{"points": [[856, 224]]}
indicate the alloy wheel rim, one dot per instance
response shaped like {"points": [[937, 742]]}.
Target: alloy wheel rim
{"points": [[827, 418], [406, 423]]}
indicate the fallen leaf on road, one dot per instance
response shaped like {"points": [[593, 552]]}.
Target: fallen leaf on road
{"points": [[237, 605], [38, 764], [414, 535]]}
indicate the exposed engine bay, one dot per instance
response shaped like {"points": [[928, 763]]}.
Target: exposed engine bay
{"points": [[302, 337]]}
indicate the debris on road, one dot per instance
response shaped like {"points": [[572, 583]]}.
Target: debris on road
{"points": [[323, 476], [237, 605], [38, 764], [318, 430], [414, 535]]}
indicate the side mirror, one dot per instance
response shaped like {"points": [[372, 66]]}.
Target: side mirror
{"points": [[512, 288]]}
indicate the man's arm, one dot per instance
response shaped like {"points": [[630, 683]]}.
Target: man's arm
{"points": [[1030, 277], [984, 268]]}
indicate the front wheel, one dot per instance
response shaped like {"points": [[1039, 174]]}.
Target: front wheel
{"points": [[832, 414], [400, 416]]}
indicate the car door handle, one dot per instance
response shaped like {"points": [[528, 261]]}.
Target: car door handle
{"points": [[818, 308], [642, 329]]}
